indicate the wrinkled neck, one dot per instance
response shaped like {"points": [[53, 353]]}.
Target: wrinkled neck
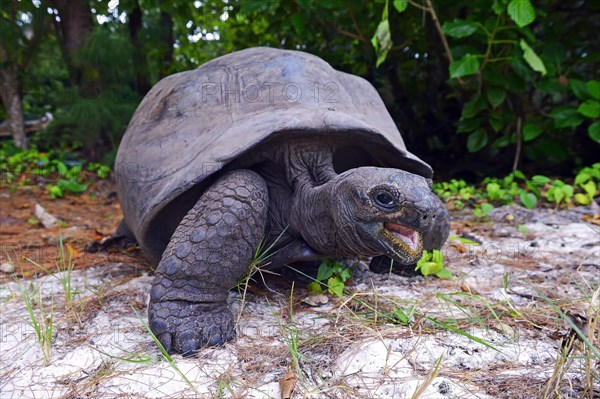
{"points": [[318, 213], [323, 219]]}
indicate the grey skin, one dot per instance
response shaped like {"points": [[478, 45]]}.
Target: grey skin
{"points": [[298, 201]]}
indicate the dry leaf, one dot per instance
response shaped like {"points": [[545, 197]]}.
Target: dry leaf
{"points": [[287, 385], [465, 288], [595, 218], [98, 235]]}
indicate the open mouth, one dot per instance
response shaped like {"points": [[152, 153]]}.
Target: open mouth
{"points": [[407, 238]]}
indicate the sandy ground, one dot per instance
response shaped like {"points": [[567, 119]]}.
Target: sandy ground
{"points": [[496, 330]]}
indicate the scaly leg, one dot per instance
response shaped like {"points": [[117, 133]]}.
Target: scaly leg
{"points": [[210, 250]]}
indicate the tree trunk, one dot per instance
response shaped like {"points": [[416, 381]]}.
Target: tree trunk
{"points": [[75, 24], [167, 24], [140, 63], [10, 91]]}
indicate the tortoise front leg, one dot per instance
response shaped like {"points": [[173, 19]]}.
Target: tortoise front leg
{"points": [[210, 250]]}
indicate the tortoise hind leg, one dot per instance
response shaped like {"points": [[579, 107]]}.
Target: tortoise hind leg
{"points": [[210, 250]]}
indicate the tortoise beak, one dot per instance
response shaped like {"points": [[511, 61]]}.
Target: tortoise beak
{"points": [[409, 237], [403, 244]]}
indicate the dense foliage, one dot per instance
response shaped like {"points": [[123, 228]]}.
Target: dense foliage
{"points": [[478, 87]]}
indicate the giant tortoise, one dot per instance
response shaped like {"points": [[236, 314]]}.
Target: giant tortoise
{"points": [[258, 147]]}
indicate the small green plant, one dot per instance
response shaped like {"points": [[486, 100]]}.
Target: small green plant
{"points": [[456, 191], [22, 167], [516, 187], [405, 315], [64, 269], [529, 200], [523, 229], [225, 389], [41, 320], [588, 180], [331, 275], [65, 186], [559, 192], [129, 356], [291, 336], [482, 211], [99, 169], [260, 259], [432, 262]]}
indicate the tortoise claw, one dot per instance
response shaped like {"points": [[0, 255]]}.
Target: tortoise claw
{"points": [[188, 326], [165, 341]]}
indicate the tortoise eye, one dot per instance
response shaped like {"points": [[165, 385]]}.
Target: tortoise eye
{"points": [[385, 200]]}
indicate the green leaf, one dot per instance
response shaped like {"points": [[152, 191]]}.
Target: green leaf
{"points": [[582, 199], [582, 177], [590, 189], [566, 117], [382, 41], [594, 132], [519, 175], [401, 316], [497, 7], [529, 200], [501, 142], [486, 208], [532, 59], [477, 140], [299, 23], [400, 5], [496, 122], [568, 190], [521, 70], [345, 274], [437, 256], [540, 180], [459, 28], [54, 191], [428, 268], [579, 89], [68, 185], [531, 132], [472, 107], [468, 125], [558, 195], [61, 168], [33, 221], [444, 274], [521, 12], [330, 4], [495, 96], [523, 229], [336, 286], [589, 108], [593, 87], [324, 272], [314, 286], [468, 65], [493, 189], [463, 240]]}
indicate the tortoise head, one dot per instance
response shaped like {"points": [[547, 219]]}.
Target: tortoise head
{"points": [[384, 211]]}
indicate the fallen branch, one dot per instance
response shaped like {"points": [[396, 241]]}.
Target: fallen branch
{"points": [[31, 126]]}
